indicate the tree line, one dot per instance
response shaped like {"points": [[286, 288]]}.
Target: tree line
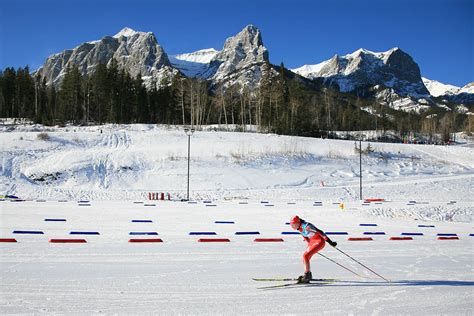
{"points": [[282, 103]]}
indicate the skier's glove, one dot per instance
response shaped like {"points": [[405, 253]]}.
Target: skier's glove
{"points": [[332, 243]]}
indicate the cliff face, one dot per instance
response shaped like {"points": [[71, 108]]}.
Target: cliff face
{"points": [[239, 61], [135, 52]]}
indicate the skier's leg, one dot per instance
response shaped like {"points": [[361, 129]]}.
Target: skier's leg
{"points": [[314, 246]]}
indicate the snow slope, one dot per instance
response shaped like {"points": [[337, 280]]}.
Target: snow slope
{"points": [[437, 88], [193, 64], [310, 71], [127, 161], [127, 32], [469, 88]]}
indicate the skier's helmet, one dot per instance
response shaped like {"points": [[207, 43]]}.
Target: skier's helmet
{"points": [[295, 220]]}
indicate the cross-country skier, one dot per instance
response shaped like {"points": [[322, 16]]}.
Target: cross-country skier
{"points": [[316, 240]]}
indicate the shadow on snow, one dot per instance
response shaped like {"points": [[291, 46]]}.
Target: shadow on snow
{"points": [[342, 283]]}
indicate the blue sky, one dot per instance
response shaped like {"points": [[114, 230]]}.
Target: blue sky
{"points": [[438, 34]]}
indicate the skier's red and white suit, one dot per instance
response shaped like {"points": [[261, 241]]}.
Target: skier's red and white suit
{"points": [[316, 241]]}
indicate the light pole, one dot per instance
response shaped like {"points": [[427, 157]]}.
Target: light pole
{"points": [[360, 149], [360, 165], [189, 132]]}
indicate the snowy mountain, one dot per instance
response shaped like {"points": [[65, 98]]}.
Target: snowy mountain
{"points": [[241, 58], [126, 32], [393, 69], [203, 56], [469, 88], [139, 53], [136, 52], [437, 88], [239, 62], [449, 92], [393, 76], [193, 64]]}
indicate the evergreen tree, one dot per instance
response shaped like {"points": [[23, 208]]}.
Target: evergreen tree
{"points": [[42, 114], [25, 93], [113, 104], [51, 96], [70, 97], [2, 97], [283, 102], [282, 98], [9, 93], [100, 94], [141, 100]]}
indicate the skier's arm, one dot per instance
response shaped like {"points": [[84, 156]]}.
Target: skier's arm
{"points": [[332, 243]]}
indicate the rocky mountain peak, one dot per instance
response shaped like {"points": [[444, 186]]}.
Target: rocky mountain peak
{"points": [[393, 69], [393, 75], [250, 36], [403, 66], [136, 52], [241, 57], [239, 61], [126, 32], [242, 49]]}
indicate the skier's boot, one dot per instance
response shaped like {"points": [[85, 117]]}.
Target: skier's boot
{"points": [[305, 278]]}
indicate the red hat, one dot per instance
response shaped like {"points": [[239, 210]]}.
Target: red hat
{"points": [[295, 220]]}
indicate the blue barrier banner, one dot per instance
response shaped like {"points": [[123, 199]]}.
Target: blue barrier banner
{"points": [[144, 233], [202, 233], [84, 233], [247, 233]]}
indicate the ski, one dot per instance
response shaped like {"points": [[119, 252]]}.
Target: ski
{"points": [[292, 285], [292, 279], [274, 279]]}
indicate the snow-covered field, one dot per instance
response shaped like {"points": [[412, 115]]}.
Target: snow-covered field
{"points": [[114, 167], [125, 162]]}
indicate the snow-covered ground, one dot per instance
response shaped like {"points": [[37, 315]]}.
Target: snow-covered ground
{"points": [[114, 167], [126, 162]]}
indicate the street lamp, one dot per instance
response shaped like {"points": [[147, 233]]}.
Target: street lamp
{"points": [[360, 165], [189, 132], [360, 150]]}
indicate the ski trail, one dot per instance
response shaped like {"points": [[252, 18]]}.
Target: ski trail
{"points": [[411, 181], [445, 156]]}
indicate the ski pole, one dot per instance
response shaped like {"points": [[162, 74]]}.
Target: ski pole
{"points": [[361, 264], [340, 265]]}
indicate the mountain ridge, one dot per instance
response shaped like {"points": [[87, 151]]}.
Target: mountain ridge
{"points": [[393, 77], [137, 52], [393, 68]]}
